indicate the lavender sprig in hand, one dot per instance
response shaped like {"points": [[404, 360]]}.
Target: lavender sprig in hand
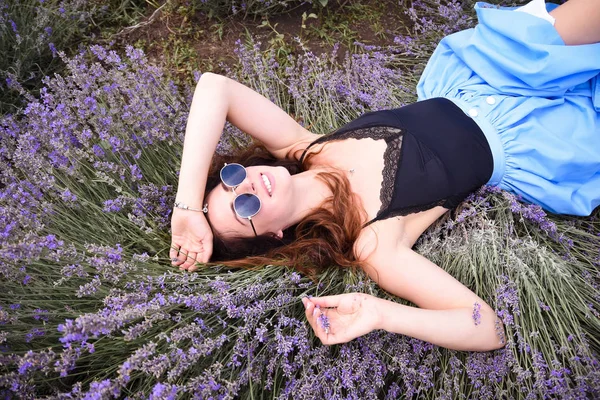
{"points": [[323, 322]]}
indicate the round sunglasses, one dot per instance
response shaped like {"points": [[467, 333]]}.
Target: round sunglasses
{"points": [[245, 205]]}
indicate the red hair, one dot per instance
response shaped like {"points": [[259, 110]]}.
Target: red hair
{"points": [[323, 239]]}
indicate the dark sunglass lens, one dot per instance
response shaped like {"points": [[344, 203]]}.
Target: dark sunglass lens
{"points": [[246, 205], [233, 174]]}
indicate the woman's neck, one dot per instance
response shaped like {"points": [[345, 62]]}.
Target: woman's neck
{"points": [[310, 194]]}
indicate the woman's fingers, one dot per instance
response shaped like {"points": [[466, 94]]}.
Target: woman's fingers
{"points": [[327, 301], [180, 257], [342, 323], [189, 261], [188, 257], [185, 257], [313, 313], [176, 260], [173, 251], [186, 260]]}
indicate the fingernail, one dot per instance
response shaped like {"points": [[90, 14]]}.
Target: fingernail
{"points": [[315, 311]]}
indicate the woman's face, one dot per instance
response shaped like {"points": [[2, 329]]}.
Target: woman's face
{"points": [[276, 203]]}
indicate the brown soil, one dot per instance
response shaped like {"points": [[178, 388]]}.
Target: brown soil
{"points": [[183, 42]]}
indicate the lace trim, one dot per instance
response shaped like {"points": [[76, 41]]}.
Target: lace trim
{"points": [[375, 132], [415, 209], [391, 157]]}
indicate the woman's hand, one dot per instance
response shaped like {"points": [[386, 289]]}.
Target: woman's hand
{"points": [[341, 318], [192, 239]]}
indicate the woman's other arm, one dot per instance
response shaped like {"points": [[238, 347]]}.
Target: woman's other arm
{"points": [[450, 315]]}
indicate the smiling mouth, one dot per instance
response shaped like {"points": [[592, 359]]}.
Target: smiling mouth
{"points": [[267, 183]]}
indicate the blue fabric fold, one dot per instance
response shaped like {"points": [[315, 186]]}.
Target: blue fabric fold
{"points": [[536, 99]]}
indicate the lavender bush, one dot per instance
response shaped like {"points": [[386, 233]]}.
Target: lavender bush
{"points": [[91, 309], [29, 35], [33, 31]]}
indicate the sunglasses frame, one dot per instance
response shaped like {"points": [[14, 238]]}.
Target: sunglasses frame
{"points": [[249, 218]]}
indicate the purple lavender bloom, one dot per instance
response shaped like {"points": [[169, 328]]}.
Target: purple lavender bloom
{"points": [[544, 306], [163, 392], [508, 300], [476, 315], [41, 315], [324, 322], [67, 196], [34, 333], [136, 173], [98, 151], [102, 390]]}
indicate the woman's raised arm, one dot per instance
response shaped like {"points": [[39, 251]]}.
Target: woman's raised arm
{"points": [[217, 99]]}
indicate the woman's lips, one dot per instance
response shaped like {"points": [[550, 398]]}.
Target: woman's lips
{"points": [[271, 181]]}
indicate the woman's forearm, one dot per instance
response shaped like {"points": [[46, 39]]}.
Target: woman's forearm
{"points": [[205, 124], [458, 329]]}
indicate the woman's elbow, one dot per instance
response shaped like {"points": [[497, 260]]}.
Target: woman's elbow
{"points": [[497, 338], [210, 79]]}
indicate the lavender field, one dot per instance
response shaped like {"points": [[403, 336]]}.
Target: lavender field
{"points": [[90, 307]]}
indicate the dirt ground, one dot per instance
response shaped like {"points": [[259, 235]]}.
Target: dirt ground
{"points": [[182, 40]]}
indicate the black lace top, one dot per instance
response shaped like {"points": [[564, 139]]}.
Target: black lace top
{"points": [[436, 155]]}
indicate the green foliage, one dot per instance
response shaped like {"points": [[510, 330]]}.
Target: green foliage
{"points": [[277, 43], [254, 8], [223, 8]]}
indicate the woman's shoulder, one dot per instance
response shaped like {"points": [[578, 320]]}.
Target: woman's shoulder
{"points": [[394, 233], [380, 236]]}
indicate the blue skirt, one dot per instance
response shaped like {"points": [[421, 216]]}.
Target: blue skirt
{"points": [[536, 100]]}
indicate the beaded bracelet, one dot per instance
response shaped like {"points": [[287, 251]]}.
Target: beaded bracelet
{"points": [[184, 206]]}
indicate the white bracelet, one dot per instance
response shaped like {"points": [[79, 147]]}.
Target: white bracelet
{"points": [[184, 206]]}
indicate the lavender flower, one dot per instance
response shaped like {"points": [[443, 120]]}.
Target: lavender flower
{"points": [[164, 392], [476, 314], [324, 322], [544, 306]]}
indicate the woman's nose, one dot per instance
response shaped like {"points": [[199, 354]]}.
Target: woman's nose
{"points": [[246, 187]]}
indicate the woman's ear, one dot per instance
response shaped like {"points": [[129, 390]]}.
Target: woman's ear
{"points": [[279, 234]]}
